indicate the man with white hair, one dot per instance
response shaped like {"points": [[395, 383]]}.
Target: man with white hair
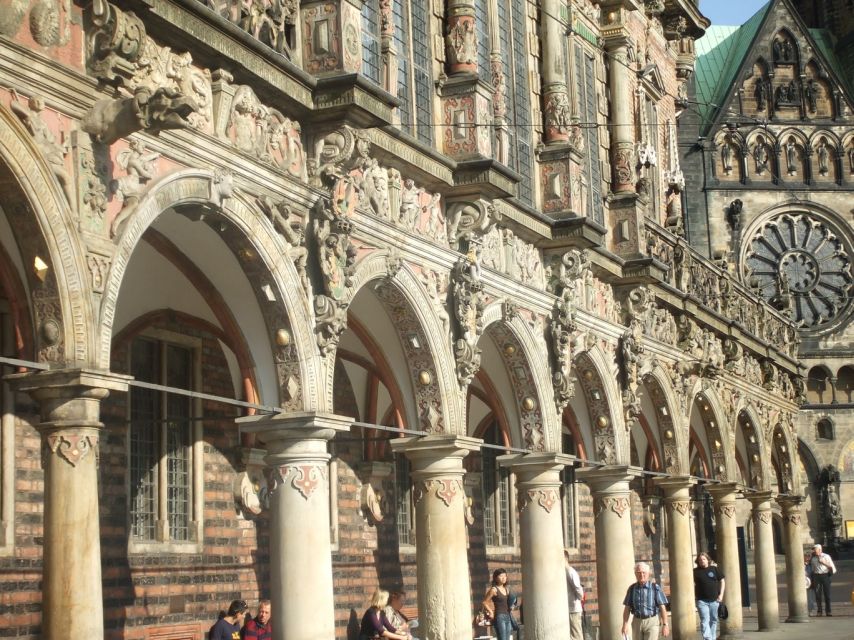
{"points": [[822, 569], [646, 602]]}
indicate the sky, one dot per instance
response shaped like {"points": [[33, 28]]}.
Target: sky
{"points": [[729, 12]]}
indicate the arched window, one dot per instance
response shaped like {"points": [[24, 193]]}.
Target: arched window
{"points": [[824, 429], [585, 87]]}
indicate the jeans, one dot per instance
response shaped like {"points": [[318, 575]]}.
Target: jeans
{"points": [[708, 610], [503, 627]]}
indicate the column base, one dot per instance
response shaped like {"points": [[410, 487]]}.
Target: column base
{"points": [[797, 619]]}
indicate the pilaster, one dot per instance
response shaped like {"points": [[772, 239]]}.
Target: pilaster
{"points": [[725, 496], [300, 541], [615, 557], [766, 570], [69, 404], [441, 555], [677, 502], [543, 574], [795, 592]]}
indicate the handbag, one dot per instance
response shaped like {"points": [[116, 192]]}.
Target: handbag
{"points": [[482, 619], [723, 612]]}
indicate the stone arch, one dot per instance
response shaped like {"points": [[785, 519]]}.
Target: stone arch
{"points": [[783, 450], [34, 201], [785, 35], [757, 454], [438, 401], [825, 105], [298, 362], [761, 157], [671, 424], [823, 146], [526, 365], [597, 377], [715, 423]]}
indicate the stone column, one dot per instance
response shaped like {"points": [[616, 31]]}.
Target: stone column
{"points": [[444, 590], [766, 570], [556, 110], [69, 403], [461, 41], [677, 503], [615, 552], [622, 131], [543, 573], [795, 585], [300, 541], [726, 541]]}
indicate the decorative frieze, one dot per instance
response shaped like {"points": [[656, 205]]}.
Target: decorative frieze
{"points": [[469, 303], [618, 505], [72, 447], [304, 478]]}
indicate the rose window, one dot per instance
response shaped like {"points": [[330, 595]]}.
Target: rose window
{"points": [[801, 267]]}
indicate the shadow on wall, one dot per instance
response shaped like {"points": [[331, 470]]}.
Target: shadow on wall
{"points": [[353, 626]]}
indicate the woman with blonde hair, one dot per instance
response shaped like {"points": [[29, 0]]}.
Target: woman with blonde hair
{"points": [[374, 623]]}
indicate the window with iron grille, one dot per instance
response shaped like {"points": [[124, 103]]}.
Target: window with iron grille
{"points": [[160, 437], [512, 18], [414, 68], [403, 500], [495, 486], [585, 82], [371, 64], [481, 16], [568, 496]]}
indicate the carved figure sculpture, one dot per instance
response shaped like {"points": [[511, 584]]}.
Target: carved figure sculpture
{"points": [[292, 233], [791, 157], [823, 157], [851, 158], [760, 155], [409, 204], [811, 95], [761, 94], [30, 114], [726, 157], [138, 162], [435, 219], [152, 111], [461, 43]]}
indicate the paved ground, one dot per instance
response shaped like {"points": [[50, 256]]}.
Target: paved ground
{"points": [[839, 627]]}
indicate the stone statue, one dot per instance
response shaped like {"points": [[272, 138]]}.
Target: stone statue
{"points": [[726, 157], [777, 51], [761, 94], [828, 480], [851, 158], [461, 43], [409, 204], [811, 95], [791, 157], [30, 114], [760, 156], [823, 158], [292, 233]]}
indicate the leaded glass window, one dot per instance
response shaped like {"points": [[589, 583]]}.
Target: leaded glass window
{"points": [[585, 74], [414, 68], [495, 486], [403, 500], [160, 443], [371, 65], [512, 18]]}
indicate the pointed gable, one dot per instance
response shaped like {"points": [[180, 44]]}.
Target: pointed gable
{"points": [[771, 68]]}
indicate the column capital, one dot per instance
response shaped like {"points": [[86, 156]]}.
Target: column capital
{"points": [[760, 498], [674, 485], [609, 478], [300, 435], [536, 467], [69, 398], [436, 455], [723, 491], [790, 502]]}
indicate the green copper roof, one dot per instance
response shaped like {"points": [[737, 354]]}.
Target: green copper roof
{"points": [[825, 42], [720, 53]]}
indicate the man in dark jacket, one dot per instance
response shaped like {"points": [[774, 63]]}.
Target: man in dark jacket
{"points": [[259, 627]]}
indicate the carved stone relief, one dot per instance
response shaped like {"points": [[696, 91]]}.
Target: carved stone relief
{"points": [[271, 22], [292, 232], [469, 302]]}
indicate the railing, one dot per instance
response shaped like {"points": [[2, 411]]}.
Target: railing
{"points": [[718, 290]]}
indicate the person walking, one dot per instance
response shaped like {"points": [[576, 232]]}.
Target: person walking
{"points": [[497, 602], [709, 586], [809, 585], [647, 604], [260, 627], [822, 569], [575, 593]]}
